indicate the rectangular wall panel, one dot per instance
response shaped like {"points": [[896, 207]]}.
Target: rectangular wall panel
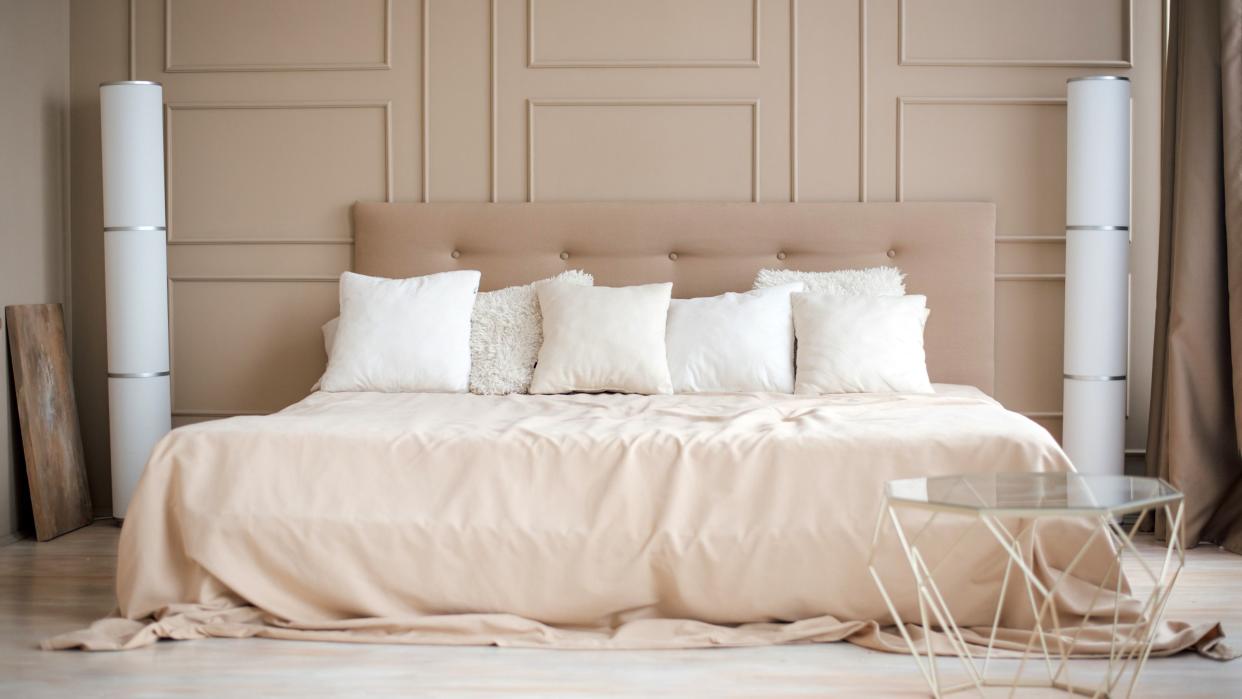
{"points": [[1008, 151], [1085, 33], [246, 346], [642, 33], [203, 36], [827, 119], [274, 171], [1036, 255], [1029, 342], [265, 259], [615, 150], [459, 100]]}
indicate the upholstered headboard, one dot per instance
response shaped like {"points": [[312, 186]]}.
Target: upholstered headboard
{"points": [[946, 250]]}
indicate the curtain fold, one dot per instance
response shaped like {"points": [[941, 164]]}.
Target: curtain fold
{"points": [[1196, 411]]}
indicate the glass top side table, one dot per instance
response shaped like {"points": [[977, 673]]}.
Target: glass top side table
{"points": [[1010, 507]]}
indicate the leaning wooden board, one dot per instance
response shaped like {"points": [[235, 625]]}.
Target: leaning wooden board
{"points": [[48, 415]]}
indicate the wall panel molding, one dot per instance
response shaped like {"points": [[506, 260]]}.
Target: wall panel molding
{"points": [[262, 241], [902, 102], [905, 59], [1058, 239], [1019, 291], [173, 282], [493, 77], [1022, 277], [533, 61], [862, 100], [425, 97], [170, 66], [793, 100], [173, 107], [132, 42], [249, 278], [533, 105]]}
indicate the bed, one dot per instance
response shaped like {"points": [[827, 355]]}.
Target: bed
{"points": [[585, 521]]}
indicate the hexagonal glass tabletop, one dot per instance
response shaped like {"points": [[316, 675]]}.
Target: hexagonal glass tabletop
{"points": [[1033, 494]]}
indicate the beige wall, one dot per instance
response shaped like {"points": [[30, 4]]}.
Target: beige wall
{"points": [[34, 104], [99, 31], [283, 112]]}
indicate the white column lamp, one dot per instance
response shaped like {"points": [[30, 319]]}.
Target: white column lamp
{"points": [[136, 271], [1097, 264]]}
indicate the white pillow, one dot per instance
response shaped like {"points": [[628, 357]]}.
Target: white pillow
{"points": [[403, 335], [506, 330], [874, 281], [733, 342], [860, 344], [505, 335], [603, 339]]}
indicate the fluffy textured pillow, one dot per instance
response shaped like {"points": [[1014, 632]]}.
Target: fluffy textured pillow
{"points": [[732, 342], [873, 281], [860, 344], [505, 335], [403, 335], [602, 338]]}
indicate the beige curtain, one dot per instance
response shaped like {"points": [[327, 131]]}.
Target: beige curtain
{"points": [[1196, 406]]}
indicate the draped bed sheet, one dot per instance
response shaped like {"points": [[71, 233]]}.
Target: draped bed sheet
{"points": [[579, 521]]}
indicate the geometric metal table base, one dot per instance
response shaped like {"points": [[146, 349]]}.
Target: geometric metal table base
{"points": [[1048, 649]]}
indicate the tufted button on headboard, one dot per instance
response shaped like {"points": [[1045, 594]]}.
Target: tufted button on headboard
{"points": [[947, 252]]}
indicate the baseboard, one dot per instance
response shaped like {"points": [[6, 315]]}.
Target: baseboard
{"points": [[10, 538]]}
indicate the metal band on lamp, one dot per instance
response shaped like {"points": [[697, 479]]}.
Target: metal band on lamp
{"points": [[136, 272], [1097, 267]]}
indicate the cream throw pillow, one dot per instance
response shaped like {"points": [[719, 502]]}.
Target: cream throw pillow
{"points": [[403, 335], [873, 281], [733, 342], [602, 338], [860, 344]]}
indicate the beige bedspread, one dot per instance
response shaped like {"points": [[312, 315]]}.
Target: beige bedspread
{"points": [[569, 521]]}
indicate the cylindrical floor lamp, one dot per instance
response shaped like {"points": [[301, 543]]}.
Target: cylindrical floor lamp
{"points": [[136, 272], [1097, 265]]}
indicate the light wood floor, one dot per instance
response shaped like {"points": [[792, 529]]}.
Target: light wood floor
{"points": [[64, 584]]}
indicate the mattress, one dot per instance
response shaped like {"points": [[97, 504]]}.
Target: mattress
{"points": [[570, 521]]}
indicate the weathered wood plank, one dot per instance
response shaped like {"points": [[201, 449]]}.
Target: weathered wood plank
{"points": [[48, 415]]}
